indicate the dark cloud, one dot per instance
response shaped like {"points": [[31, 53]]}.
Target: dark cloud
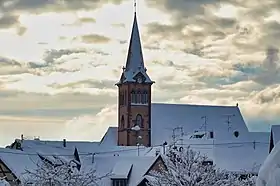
{"points": [[52, 55], [181, 8], [87, 20], [39, 6], [268, 95], [164, 31], [8, 21], [103, 84], [95, 38], [21, 30]]}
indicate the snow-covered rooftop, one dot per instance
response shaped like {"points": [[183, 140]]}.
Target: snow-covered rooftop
{"points": [[165, 117], [82, 146], [18, 161], [110, 165], [121, 170], [110, 138], [240, 156]]}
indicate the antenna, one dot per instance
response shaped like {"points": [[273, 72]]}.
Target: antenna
{"points": [[204, 125], [229, 120], [174, 136]]}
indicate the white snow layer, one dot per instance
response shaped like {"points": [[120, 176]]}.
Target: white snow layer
{"points": [[269, 174], [4, 182]]}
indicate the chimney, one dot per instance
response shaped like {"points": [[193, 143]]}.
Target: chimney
{"points": [[211, 134], [21, 137], [64, 142]]}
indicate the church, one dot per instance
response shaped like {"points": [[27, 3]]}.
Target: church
{"points": [[141, 122]]}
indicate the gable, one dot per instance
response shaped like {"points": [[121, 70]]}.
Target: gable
{"points": [[223, 120], [157, 165], [5, 172]]}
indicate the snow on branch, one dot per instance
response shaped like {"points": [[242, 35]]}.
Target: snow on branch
{"points": [[189, 168], [66, 173], [3, 182]]}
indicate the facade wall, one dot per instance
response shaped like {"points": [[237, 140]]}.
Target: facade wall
{"points": [[129, 111]]}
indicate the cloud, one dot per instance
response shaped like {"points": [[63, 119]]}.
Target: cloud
{"points": [[81, 127], [87, 20], [8, 21], [207, 56], [95, 38], [40, 6]]}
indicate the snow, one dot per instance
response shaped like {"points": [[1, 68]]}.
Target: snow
{"points": [[18, 162], [121, 170], [136, 128], [4, 182], [110, 138], [82, 146], [110, 164], [269, 173], [166, 117], [240, 157]]}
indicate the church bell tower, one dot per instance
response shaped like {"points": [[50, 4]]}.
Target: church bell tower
{"points": [[134, 96]]}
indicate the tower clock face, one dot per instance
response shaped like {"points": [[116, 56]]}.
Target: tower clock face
{"points": [[139, 80]]}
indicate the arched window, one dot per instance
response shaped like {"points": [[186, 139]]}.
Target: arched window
{"points": [[133, 96], [138, 96], [145, 97], [122, 122], [139, 121]]}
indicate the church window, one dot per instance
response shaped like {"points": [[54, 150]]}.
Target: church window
{"points": [[139, 121], [133, 97], [138, 97], [145, 97], [122, 122]]}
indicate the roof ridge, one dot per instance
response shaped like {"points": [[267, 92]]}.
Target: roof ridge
{"points": [[199, 105]]}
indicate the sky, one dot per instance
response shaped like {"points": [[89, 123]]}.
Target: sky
{"points": [[60, 59]]}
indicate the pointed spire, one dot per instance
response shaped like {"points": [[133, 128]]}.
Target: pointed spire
{"points": [[135, 57]]}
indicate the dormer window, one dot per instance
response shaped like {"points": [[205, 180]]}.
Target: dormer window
{"points": [[119, 182], [120, 174]]}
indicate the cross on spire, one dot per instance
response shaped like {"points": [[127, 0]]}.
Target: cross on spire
{"points": [[135, 6]]}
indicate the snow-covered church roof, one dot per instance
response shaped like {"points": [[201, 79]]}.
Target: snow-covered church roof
{"points": [[222, 120]]}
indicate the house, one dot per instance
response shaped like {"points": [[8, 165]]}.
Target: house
{"points": [[125, 171], [115, 169], [14, 163]]}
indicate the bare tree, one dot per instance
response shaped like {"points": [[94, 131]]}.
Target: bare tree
{"points": [[64, 173], [188, 168]]}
